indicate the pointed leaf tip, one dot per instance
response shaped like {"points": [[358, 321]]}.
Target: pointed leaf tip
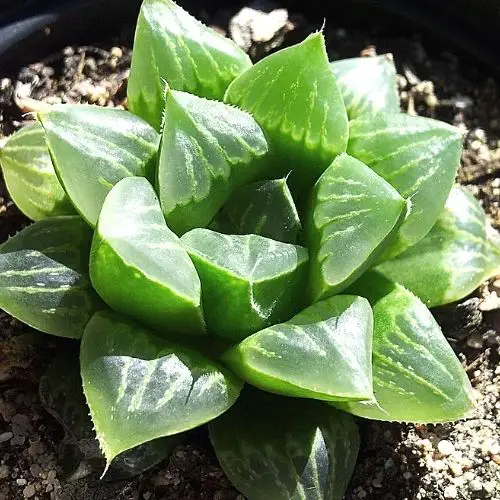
{"points": [[248, 282], [293, 96], [264, 208], [416, 375], [452, 260], [274, 448], [295, 358], [92, 148], [139, 256], [352, 208], [140, 387], [170, 45], [207, 150]]}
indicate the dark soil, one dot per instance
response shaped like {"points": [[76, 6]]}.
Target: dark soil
{"points": [[396, 462]]}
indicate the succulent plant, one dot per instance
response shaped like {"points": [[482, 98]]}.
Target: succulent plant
{"points": [[281, 225]]}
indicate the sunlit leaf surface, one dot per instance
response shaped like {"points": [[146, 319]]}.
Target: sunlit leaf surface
{"points": [[93, 148], [368, 84], [30, 177], [207, 150], [248, 282], [172, 46], [324, 352], [44, 278], [354, 215], [452, 260], [416, 375], [418, 156], [140, 387], [293, 96], [138, 264]]}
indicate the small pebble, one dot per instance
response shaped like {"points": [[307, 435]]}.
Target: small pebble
{"points": [[491, 447], [4, 472], [475, 485], [29, 491], [445, 447], [450, 492], [17, 440], [35, 470], [489, 487], [116, 52], [456, 469], [21, 482], [439, 465], [389, 464], [5, 436], [425, 444], [5, 83], [475, 341], [407, 475]]}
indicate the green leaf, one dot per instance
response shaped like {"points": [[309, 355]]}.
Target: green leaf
{"points": [[172, 46], [248, 282], [275, 448], [368, 84], [354, 214], [30, 177], [418, 156], [452, 260], [139, 267], [61, 394], [416, 375], [207, 150], [140, 387], [92, 148], [265, 208], [293, 96], [44, 276], [324, 352]]}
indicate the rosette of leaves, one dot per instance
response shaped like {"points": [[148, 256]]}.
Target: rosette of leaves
{"points": [[280, 224]]}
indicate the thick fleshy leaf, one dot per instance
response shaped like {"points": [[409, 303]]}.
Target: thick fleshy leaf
{"points": [[452, 260], [248, 282], [368, 84], [140, 387], [418, 156], [139, 267], [354, 215], [416, 375], [208, 148], [92, 148], [293, 96], [265, 208], [30, 177], [274, 448], [44, 278], [172, 46], [61, 394], [324, 352]]}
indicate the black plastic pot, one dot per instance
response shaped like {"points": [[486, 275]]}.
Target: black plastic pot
{"points": [[35, 28]]}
